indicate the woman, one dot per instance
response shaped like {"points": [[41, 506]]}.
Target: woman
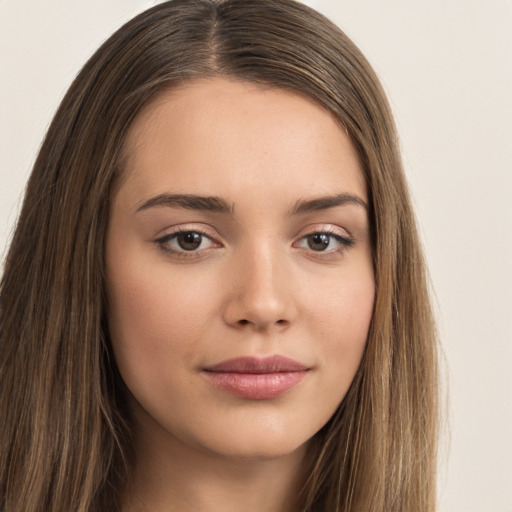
{"points": [[215, 297]]}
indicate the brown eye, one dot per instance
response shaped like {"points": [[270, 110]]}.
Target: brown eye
{"points": [[319, 241], [325, 241], [189, 240], [185, 242]]}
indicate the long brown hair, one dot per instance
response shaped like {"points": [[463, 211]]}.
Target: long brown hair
{"points": [[65, 430]]}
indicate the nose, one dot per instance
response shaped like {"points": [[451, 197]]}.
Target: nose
{"points": [[261, 293]]}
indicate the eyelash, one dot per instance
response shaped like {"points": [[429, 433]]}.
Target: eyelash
{"points": [[345, 243]]}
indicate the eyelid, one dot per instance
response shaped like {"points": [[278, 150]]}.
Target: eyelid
{"points": [[329, 229], [186, 227]]}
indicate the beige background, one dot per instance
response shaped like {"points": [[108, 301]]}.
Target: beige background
{"points": [[447, 67]]}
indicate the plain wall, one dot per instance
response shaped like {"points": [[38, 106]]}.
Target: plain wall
{"points": [[447, 67]]}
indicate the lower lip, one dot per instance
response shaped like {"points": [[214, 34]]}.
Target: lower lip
{"points": [[256, 386]]}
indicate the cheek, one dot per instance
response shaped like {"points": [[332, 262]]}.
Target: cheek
{"points": [[342, 307], [155, 320], [341, 316]]}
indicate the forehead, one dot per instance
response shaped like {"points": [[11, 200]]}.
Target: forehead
{"points": [[223, 137]]}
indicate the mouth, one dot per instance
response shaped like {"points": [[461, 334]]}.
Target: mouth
{"points": [[256, 379]]}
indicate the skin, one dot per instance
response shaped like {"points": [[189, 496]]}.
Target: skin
{"points": [[256, 285]]}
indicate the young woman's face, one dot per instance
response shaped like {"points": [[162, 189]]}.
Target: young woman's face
{"points": [[239, 268]]}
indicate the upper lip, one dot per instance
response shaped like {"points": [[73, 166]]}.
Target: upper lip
{"points": [[250, 364]]}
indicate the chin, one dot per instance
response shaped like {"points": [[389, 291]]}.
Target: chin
{"points": [[260, 451], [260, 443]]}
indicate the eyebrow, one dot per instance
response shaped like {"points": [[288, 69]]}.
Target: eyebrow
{"points": [[318, 204], [218, 205], [189, 202]]}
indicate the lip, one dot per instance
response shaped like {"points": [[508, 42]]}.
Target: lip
{"points": [[256, 378]]}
